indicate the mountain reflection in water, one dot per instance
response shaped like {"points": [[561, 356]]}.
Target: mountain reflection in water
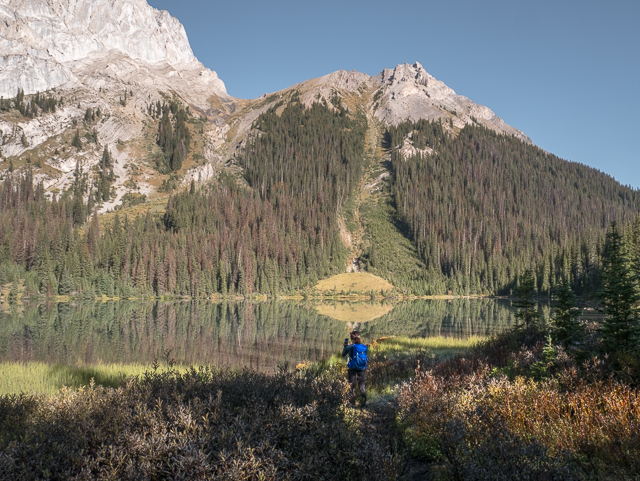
{"points": [[259, 335]]}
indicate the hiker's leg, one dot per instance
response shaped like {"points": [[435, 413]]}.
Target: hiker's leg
{"points": [[362, 377], [353, 380]]}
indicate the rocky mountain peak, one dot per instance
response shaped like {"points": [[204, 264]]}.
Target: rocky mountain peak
{"points": [[410, 92], [41, 41], [406, 80]]}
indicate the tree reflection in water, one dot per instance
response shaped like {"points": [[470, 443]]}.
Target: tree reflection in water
{"points": [[259, 335]]}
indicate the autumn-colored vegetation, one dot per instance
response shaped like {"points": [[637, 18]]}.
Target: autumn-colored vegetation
{"points": [[204, 424], [516, 421]]}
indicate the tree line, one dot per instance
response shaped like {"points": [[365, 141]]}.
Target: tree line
{"points": [[481, 210], [274, 231], [485, 207]]}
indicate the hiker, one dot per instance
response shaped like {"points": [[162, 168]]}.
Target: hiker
{"points": [[357, 365]]}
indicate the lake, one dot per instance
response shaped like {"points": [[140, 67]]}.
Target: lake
{"points": [[259, 335]]}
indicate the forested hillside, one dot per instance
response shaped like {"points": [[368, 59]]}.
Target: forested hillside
{"points": [[277, 234], [476, 208], [483, 207]]}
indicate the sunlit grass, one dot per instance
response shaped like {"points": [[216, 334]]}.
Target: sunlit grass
{"points": [[440, 345], [41, 378], [354, 282]]}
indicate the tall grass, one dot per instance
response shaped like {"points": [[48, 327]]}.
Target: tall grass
{"points": [[441, 346], [41, 378]]}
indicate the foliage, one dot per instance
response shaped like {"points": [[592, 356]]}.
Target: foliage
{"points": [[576, 423], [106, 177], [620, 330], [130, 200], [527, 316], [171, 184], [567, 329], [41, 238], [38, 104], [204, 424], [174, 137], [391, 255], [484, 207], [76, 141], [277, 230]]}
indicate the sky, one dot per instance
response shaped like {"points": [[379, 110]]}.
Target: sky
{"points": [[565, 72]]}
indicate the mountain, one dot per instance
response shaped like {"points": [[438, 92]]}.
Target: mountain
{"points": [[105, 104], [87, 54], [90, 52], [49, 44]]}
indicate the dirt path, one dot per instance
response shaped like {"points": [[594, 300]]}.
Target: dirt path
{"points": [[380, 416]]}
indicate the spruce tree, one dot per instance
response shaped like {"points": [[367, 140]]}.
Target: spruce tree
{"points": [[76, 142], [66, 285], [619, 331], [566, 327], [527, 316]]}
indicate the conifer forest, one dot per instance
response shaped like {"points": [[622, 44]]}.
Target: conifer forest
{"points": [[479, 208]]}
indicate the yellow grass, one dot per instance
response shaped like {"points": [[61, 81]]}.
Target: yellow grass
{"points": [[42, 378], [354, 311], [437, 344], [354, 282]]}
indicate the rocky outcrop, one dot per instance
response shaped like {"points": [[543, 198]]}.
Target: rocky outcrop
{"points": [[89, 53], [410, 92], [44, 42]]}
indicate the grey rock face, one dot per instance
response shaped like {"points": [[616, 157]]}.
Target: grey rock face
{"points": [[409, 92], [90, 52], [43, 41]]}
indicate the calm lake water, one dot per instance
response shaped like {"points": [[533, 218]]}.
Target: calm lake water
{"points": [[260, 335]]}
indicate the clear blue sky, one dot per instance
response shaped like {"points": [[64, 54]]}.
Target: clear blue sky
{"points": [[566, 72]]}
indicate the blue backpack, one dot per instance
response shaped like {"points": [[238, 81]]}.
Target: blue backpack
{"points": [[359, 357]]}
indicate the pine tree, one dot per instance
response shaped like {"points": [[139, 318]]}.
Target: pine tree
{"points": [[527, 316], [66, 285], [76, 142], [620, 329], [567, 329]]}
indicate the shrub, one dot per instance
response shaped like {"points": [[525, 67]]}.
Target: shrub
{"points": [[203, 424], [485, 426]]}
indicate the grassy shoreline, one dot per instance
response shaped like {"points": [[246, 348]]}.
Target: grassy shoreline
{"points": [[513, 406], [43, 378]]}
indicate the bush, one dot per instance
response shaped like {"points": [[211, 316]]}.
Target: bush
{"points": [[204, 424], [483, 424]]}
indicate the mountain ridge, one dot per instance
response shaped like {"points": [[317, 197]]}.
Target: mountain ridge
{"points": [[392, 174]]}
